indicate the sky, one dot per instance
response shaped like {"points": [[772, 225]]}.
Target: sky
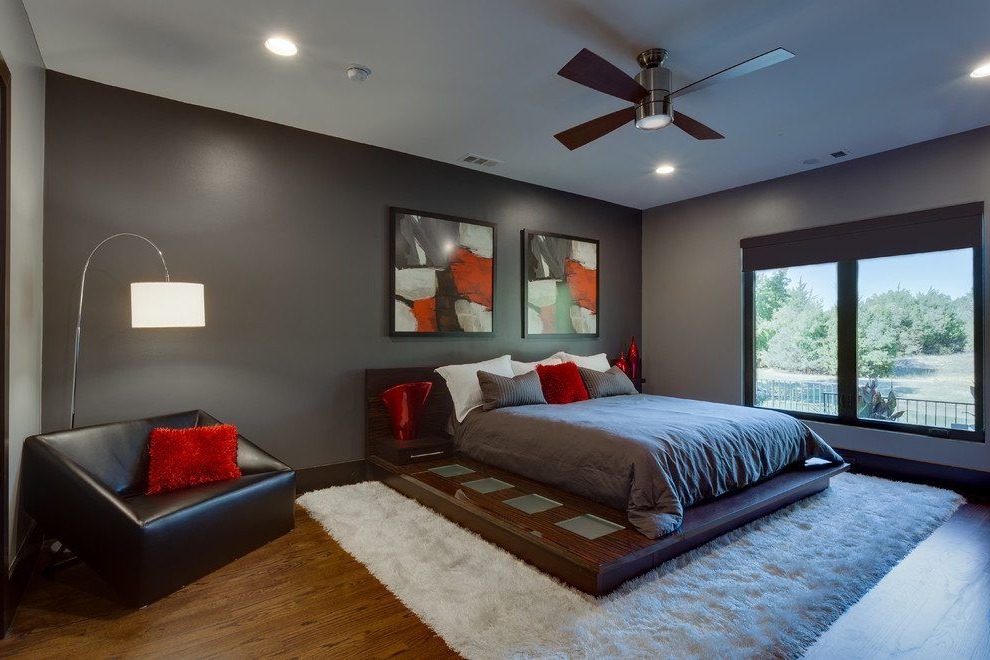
{"points": [[950, 272]]}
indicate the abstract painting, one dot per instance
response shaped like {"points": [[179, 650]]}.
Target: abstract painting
{"points": [[443, 274], [560, 285]]}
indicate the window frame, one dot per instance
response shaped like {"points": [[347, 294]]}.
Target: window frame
{"points": [[846, 310]]}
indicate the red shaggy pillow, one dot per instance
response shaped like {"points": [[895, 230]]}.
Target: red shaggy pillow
{"points": [[180, 458], [561, 383]]}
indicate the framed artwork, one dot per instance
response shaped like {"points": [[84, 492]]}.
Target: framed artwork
{"points": [[442, 274], [560, 285]]}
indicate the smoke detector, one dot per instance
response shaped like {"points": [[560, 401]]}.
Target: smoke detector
{"points": [[358, 73]]}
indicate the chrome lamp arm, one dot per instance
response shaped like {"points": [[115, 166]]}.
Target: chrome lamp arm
{"points": [[82, 292]]}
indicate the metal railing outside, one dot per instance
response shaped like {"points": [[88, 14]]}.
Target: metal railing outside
{"points": [[822, 398]]}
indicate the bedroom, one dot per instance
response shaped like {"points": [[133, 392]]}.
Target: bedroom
{"points": [[287, 185]]}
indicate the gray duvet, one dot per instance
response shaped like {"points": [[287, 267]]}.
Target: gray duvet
{"points": [[651, 456]]}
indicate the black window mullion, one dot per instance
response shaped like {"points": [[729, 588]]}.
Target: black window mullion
{"points": [[978, 337], [846, 331], [749, 339]]}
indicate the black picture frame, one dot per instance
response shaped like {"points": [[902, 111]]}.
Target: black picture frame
{"points": [[394, 213], [526, 236]]}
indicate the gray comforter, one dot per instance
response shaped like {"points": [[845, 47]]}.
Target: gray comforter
{"points": [[651, 456]]}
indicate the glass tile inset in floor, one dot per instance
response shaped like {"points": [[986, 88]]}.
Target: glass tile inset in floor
{"points": [[589, 526], [454, 470], [532, 503], [487, 485]]}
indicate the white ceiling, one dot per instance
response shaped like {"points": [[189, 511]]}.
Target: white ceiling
{"points": [[457, 76]]}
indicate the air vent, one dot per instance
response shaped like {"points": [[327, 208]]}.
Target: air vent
{"points": [[839, 154], [474, 159]]}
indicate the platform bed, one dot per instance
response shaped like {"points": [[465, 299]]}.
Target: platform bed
{"points": [[596, 549], [595, 566]]}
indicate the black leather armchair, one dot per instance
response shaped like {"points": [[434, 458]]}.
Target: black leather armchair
{"points": [[85, 487]]}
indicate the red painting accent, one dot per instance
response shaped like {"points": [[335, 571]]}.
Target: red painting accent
{"points": [[425, 311], [548, 315], [472, 276], [583, 283]]}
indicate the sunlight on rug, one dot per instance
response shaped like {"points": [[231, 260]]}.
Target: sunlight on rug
{"points": [[767, 589]]}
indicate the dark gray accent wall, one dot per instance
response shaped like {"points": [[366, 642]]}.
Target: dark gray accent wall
{"points": [[287, 230], [692, 302]]}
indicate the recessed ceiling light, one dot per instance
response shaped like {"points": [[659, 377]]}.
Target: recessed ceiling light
{"points": [[281, 46], [665, 169], [981, 71]]}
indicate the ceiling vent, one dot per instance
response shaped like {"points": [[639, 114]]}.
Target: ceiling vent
{"points": [[839, 154], [474, 159]]}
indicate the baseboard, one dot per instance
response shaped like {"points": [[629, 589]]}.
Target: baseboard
{"points": [[334, 474], [21, 570], [972, 481]]}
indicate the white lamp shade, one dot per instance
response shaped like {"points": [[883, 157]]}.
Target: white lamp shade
{"points": [[167, 305]]}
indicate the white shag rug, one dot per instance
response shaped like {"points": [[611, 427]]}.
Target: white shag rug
{"points": [[768, 589]]}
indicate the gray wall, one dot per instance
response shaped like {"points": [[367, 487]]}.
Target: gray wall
{"points": [[20, 52], [287, 229], [691, 274]]}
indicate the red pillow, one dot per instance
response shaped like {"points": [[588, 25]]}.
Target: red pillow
{"points": [[561, 383], [180, 458]]}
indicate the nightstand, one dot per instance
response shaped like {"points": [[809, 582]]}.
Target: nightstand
{"points": [[426, 448]]}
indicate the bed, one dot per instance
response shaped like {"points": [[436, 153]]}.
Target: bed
{"points": [[650, 456], [667, 475]]}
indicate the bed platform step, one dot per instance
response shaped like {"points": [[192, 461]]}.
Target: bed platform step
{"points": [[589, 546]]}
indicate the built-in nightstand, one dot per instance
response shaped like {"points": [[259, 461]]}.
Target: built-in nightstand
{"points": [[427, 448]]}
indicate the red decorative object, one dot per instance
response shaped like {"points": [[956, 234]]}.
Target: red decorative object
{"points": [[180, 458], [634, 365], [404, 403], [561, 383], [621, 363]]}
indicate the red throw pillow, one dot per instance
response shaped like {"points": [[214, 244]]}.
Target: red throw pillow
{"points": [[561, 383], [180, 458]]}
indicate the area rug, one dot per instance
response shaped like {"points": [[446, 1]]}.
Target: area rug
{"points": [[768, 589]]}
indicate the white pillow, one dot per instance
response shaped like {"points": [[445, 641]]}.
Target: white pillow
{"points": [[462, 382], [520, 368], [597, 362]]}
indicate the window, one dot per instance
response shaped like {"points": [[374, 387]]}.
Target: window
{"points": [[873, 323], [914, 339], [795, 339]]}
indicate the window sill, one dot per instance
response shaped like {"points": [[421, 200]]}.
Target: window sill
{"points": [[911, 429]]}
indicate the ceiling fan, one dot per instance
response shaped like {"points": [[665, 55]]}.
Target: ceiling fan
{"points": [[649, 91]]}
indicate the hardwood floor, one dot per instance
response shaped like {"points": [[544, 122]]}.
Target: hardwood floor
{"points": [[934, 604], [302, 595]]}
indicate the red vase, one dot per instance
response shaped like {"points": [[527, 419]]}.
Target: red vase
{"points": [[621, 362], [634, 371], [404, 403]]}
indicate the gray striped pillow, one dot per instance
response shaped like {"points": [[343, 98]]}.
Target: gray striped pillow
{"points": [[502, 392], [606, 383]]}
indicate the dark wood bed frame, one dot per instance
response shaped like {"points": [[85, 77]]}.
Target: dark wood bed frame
{"points": [[595, 566]]}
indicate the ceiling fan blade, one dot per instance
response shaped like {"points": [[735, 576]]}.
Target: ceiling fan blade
{"points": [[590, 131], [695, 128], [592, 71], [775, 56]]}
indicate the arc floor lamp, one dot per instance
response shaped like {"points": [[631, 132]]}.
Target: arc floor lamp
{"points": [[165, 304]]}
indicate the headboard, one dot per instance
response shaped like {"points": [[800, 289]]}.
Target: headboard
{"points": [[378, 423]]}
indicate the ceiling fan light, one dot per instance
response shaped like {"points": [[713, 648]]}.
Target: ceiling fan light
{"points": [[653, 122]]}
